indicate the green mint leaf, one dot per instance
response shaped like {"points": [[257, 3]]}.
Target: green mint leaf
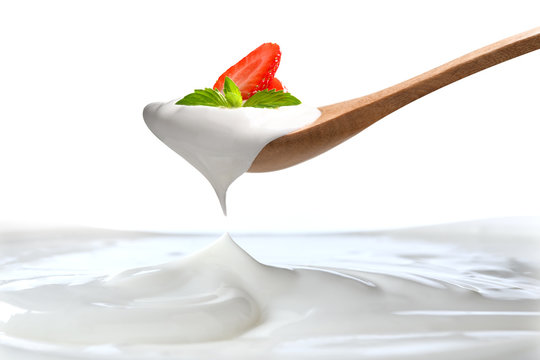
{"points": [[271, 99], [208, 97], [232, 93], [232, 97]]}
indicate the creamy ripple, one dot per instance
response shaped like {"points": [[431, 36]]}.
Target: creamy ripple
{"points": [[221, 302]]}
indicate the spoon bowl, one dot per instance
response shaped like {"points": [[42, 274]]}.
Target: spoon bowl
{"points": [[341, 121]]}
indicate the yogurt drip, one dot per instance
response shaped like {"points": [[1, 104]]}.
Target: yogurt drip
{"points": [[222, 143]]}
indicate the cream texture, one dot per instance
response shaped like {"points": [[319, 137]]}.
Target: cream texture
{"points": [[400, 295], [222, 143]]}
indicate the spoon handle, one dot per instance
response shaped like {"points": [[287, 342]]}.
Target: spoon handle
{"points": [[389, 100], [341, 121]]}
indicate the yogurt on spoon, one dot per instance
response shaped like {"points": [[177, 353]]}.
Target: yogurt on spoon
{"points": [[221, 142], [220, 131]]}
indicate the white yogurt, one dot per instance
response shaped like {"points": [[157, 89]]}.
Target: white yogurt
{"points": [[395, 296], [389, 296], [222, 143]]}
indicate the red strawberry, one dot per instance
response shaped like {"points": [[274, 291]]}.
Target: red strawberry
{"points": [[275, 84], [254, 72]]}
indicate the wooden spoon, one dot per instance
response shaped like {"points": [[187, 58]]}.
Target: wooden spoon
{"points": [[339, 122]]}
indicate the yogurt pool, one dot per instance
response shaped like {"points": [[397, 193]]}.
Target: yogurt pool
{"points": [[467, 291]]}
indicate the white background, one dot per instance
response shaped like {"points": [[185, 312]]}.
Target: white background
{"points": [[75, 75]]}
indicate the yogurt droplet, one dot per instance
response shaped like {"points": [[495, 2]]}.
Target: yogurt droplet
{"points": [[220, 142]]}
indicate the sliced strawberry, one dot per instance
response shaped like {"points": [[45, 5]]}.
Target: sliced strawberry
{"points": [[255, 71], [275, 84]]}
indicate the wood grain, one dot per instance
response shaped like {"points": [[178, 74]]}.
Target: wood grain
{"points": [[341, 121]]}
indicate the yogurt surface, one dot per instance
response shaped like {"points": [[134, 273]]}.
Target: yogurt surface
{"points": [[469, 291], [221, 142]]}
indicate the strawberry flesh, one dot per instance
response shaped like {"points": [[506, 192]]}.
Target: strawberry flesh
{"points": [[254, 72], [276, 85]]}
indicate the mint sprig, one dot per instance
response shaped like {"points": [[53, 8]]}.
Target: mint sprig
{"points": [[232, 93], [232, 98], [271, 99], [208, 97]]}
